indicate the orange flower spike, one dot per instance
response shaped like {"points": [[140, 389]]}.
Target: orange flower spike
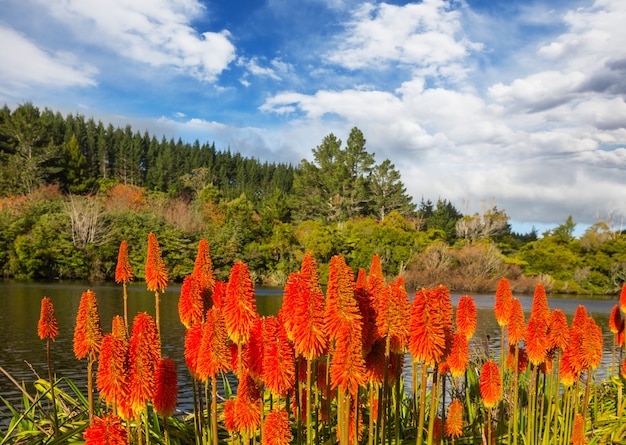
{"points": [[190, 304], [230, 422], [428, 340], [156, 273], [309, 333], [398, 314], [589, 354], [375, 279], [239, 306], [466, 316], [87, 333], [454, 422], [578, 431], [193, 341], [247, 409], [47, 326], [536, 340], [341, 306], [112, 376], [459, 355], [118, 329], [490, 384], [615, 319], [144, 352], [366, 308], [347, 367], [213, 354], [107, 430], [579, 319], [278, 358], [502, 306], [123, 269], [203, 271], [540, 306], [622, 299], [558, 331], [253, 350], [276, 428], [291, 295], [567, 373], [517, 325], [166, 388]]}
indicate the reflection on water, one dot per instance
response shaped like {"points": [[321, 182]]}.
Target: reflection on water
{"points": [[23, 355]]}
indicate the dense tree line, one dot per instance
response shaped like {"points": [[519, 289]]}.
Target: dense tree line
{"points": [[71, 189]]}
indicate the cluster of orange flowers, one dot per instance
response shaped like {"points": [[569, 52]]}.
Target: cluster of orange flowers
{"points": [[364, 326]]}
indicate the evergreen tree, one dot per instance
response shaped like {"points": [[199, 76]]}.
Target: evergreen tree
{"points": [[388, 192]]}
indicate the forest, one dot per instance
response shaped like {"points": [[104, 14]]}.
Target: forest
{"points": [[71, 189]]}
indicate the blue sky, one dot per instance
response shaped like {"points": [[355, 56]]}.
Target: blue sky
{"points": [[518, 104]]}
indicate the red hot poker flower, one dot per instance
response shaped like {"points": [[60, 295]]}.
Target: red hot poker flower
{"points": [[276, 429], [309, 335], [214, 354], [578, 431], [466, 316], [615, 319], [540, 306], [112, 377], [107, 430], [203, 271], [366, 308], [144, 352], [454, 422], [502, 306], [347, 368], [459, 355], [428, 330], [341, 305], [166, 388], [278, 358], [490, 384], [123, 269], [622, 299], [536, 340], [156, 273], [239, 307], [558, 331], [47, 326], [87, 333], [191, 304], [517, 325], [193, 341]]}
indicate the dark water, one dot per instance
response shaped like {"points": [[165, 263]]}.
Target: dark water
{"points": [[23, 355]]}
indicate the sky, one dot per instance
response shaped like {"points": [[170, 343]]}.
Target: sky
{"points": [[518, 103]]}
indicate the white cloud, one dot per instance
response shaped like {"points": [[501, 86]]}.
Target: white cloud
{"points": [[427, 35], [545, 145], [26, 66], [157, 33]]}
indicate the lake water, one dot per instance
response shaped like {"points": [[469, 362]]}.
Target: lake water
{"points": [[23, 355]]}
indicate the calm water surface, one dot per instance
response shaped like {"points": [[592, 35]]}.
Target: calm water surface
{"points": [[23, 355]]}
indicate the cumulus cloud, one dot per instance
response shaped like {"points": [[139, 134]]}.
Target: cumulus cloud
{"points": [[26, 66], [156, 33], [427, 35], [544, 145]]}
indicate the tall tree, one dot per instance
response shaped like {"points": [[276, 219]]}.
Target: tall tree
{"points": [[29, 153], [388, 192], [358, 165]]}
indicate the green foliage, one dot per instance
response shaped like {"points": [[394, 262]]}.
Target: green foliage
{"points": [[266, 214]]}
